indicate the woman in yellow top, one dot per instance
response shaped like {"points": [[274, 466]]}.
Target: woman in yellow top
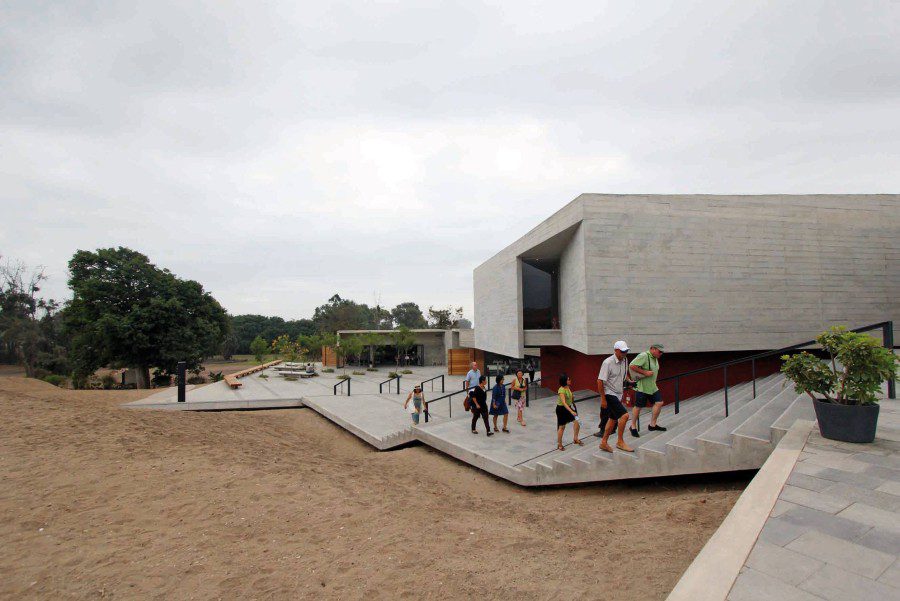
{"points": [[566, 411]]}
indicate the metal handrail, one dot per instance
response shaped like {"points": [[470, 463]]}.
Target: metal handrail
{"points": [[341, 384], [449, 403], [528, 390], [397, 377], [887, 328], [423, 382]]}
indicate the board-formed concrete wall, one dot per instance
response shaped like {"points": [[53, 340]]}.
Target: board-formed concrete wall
{"points": [[706, 273]]}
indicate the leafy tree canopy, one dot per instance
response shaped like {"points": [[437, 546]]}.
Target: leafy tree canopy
{"points": [[126, 311], [443, 319], [408, 314]]}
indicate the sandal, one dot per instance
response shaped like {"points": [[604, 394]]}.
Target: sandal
{"points": [[559, 447], [505, 430], [578, 442]]}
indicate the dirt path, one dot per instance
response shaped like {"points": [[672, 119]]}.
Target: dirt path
{"points": [[99, 501]]}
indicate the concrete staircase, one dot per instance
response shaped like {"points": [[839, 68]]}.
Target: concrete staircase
{"points": [[699, 439]]}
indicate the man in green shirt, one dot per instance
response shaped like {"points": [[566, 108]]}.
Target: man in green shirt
{"points": [[644, 369]]}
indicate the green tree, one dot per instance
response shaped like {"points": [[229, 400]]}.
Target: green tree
{"points": [[30, 333], [287, 348], [258, 348], [402, 339], [342, 314], [351, 346], [408, 314], [127, 312], [444, 319]]}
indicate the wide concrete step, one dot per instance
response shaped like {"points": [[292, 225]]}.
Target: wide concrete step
{"points": [[720, 433], [742, 395], [800, 408], [712, 404], [759, 425]]}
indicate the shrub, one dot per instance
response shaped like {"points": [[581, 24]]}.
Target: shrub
{"points": [[865, 365], [406, 371], [161, 380], [371, 369], [327, 370], [343, 377], [216, 376], [108, 382], [56, 380], [393, 374], [291, 378], [40, 373], [359, 373], [196, 380], [263, 376]]}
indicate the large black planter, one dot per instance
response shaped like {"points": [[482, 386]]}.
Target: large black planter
{"points": [[847, 423]]}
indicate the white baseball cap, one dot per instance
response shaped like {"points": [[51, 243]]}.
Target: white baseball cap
{"points": [[621, 345]]}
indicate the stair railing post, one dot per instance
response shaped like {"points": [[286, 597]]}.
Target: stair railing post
{"points": [[887, 333], [442, 383], [753, 375], [677, 394], [726, 391]]}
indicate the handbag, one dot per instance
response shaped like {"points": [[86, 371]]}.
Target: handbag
{"points": [[466, 405]]}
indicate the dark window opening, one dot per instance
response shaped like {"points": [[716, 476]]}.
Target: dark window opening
{"points": [[540, 294]]}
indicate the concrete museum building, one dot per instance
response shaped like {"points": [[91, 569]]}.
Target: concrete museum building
{"points": [[710, 277]]}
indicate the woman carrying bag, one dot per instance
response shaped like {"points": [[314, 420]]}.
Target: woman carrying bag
{"points": [[566, 412]]}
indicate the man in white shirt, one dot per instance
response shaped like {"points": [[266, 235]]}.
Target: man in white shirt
{"points": [[472, 377], [610, 384]]}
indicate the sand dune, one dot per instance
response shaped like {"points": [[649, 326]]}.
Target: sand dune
{"points": [[102, 502]]}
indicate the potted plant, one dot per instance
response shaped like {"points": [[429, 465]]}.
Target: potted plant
{"points": [[845, 390]]}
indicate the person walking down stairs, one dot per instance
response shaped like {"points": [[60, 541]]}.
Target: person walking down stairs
{"points": [[645, 368]]}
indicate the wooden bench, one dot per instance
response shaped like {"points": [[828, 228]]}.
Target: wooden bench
{"points": [[232, 379]]}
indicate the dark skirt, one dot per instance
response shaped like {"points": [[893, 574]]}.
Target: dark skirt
{"points": [[501, 408], [563, 416]]}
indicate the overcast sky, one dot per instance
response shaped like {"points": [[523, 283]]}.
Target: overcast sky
{"points": [[283, 152]]}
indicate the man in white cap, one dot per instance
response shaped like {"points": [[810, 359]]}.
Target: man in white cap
{"points": [[610, 383]]}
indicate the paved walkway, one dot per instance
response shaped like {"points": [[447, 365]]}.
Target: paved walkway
{"points": [[834, 532]]}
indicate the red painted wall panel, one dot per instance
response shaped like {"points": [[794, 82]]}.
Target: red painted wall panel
{"points": [[584, 368]]}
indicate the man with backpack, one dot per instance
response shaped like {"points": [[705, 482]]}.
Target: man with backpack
{"points": [[645, 368]]}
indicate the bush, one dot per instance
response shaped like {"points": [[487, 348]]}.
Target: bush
{"points": [[406, 371], [216, 376], [56, 380], [393, 374], [359, 373], [196, 380], [371, 369], [263, 376], [291, 378], [327, 370], [343, 377], [160, 380], [108, 382], [865, 365], [40, 373]]}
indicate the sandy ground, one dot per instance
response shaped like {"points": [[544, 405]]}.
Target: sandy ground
{"points": [[103, 502]]}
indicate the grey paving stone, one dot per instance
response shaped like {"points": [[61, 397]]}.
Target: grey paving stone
{"points": [[813, 499], [751, 585], [811, 519], [808, 482], [788, 566], [888, 461], [875, 498], [836, 584], [882, 473], [885, 541], [779, 532], [891, 576], [838, 552], [890, 487], [827, 473], [842, 462], [877, 518], [781, 507]]}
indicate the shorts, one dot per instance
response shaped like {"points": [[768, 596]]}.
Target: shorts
{"points": [[614, 408], [563, 416], [642, 399]]}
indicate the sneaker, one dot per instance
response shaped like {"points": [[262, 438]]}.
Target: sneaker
{"points": [[635, 433], [658, 428]]}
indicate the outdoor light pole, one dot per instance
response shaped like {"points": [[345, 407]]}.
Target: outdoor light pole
{"points": [[182, 367]]}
